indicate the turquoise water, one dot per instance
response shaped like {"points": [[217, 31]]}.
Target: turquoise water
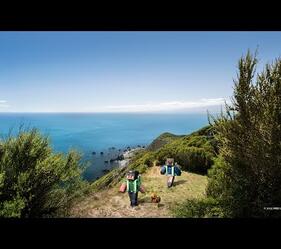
{"points": [[98, 132]]}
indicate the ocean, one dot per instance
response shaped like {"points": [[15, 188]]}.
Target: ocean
{"points": [[93, 133]]}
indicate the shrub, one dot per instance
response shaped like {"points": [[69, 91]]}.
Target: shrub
{"points": [[194, 159], [247, 177], [148, 159], [193, 152], [202, 208], [35, 181]]}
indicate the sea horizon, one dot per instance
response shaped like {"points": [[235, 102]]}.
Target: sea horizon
{"points": [[93, 133], [81, 112]]}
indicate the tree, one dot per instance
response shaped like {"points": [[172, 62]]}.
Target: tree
{"points": [[246, 177], [35, 181]]}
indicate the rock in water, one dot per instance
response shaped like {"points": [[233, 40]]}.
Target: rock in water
{"points": [[120, 157]]}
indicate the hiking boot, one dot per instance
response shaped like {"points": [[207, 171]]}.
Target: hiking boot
{"points": [[135, 207]]}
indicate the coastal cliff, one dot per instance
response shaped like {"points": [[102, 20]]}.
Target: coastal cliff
{"points": [[193, 152], [107, 202]]}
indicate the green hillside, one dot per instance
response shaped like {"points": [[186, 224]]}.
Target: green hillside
{"points": [[162, 140], [194, 152], [110, 203]]}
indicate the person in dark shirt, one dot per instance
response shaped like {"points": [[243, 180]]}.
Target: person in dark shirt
{"points": [[170, 170]]}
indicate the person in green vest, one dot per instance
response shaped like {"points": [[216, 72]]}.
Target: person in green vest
{"points": [[133, 185], [170, 170]]}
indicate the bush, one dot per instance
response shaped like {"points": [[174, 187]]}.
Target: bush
{"points": [[34, 181], [194, 159], [148, 159], [203, 208], [194, 152], [247, 176], [142, 168]]}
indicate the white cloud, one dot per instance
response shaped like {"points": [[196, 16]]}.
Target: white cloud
{"points": [[3, 104], [165, 106]]}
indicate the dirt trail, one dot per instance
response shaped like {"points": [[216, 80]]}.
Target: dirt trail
{"points": [[110, 203]]}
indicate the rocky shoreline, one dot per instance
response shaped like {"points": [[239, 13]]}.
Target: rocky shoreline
{"points": [[127, 156], [114, 158]]}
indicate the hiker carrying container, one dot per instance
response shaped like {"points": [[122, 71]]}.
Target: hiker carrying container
{"points": [[133, 185], [170, 170]]}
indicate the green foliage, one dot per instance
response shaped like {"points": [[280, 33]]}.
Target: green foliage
{"points": [[194, 152], [110, 179], [160, 141], [12, 208], [34, 181], [148, 159], [247, 177], [202, 208], [195, 159], [218, 181]]}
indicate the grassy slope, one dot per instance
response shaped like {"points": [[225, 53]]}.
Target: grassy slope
{"points": [[166, 145], [110, 203], [105, 200]]}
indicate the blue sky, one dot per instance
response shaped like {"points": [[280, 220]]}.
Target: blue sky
{"points": [[124, 71]]}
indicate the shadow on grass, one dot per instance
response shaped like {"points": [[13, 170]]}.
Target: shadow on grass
{"points": [[145, 199], [179, 182], [148, 200], [160, 205]]}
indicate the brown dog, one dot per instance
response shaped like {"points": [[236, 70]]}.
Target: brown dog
{"points": [[155, 198]]}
